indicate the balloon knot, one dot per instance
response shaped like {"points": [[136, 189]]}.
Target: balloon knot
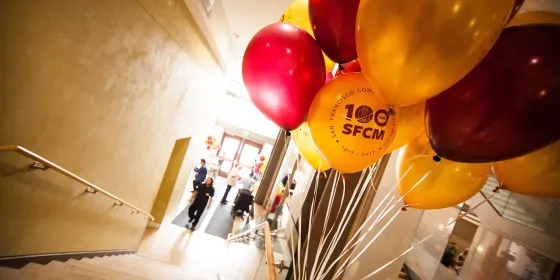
{"points": [[404, 209], [392, 111], [436, 158], [288, 134]]}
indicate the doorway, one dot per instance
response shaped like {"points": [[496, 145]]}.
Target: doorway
{"points": [[237, 149]]}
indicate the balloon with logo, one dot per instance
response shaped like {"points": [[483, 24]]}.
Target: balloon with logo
{"points": [[304, 143], [535, 174], [509, 105], [283, 69], [298, 15], [350, 125], [413, 50], [334, 25], [411, 125], [429, 182]]}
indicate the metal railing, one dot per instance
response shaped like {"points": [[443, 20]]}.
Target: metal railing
{"points": [[535, 212], [41, 163], [253, 233]]}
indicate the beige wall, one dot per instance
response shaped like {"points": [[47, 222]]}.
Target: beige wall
{"points": [[103, 88]]}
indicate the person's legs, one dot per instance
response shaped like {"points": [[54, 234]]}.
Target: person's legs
{"points": [[192, 212], [224, 199], [195, 185], [199, 211]]}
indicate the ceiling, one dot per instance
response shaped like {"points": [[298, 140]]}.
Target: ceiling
{"points": [[246, 18]]}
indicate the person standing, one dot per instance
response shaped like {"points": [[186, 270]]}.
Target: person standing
{"points": [[201, 199], [200, 176], [248, 182], [231, 181]]}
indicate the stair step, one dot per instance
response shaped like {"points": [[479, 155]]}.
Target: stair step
{"points": [[147, 271], [31, 266], [59, 270], [17, 274], [105, 273]]}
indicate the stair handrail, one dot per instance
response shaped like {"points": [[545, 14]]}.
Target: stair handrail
{"points": [[269, 249], [269, 252], [47, 165]]}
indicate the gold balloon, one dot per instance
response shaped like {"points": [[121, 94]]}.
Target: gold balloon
{"points": [[436, 184], [298, 15], [411, 124], [350, 125], [411, 50], [535, 174], [535, 17], [302, 139]]}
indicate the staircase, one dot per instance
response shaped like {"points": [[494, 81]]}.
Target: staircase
{"points": [[122, 267]]}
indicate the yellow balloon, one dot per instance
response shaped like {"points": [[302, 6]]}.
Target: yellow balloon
{"points": [[411, 50], [302, 139], [350, 125], [535, 17], [411, 124], [535, 174], [298, 15], [426, 183]]}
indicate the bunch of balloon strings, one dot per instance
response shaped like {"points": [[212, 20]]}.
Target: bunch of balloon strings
{"points": [[389, 208]]}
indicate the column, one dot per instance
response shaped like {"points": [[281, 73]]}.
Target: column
{"points": [[271, 172]]}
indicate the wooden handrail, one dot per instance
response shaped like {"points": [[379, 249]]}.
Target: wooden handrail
{"points": [[269, 252], [91, 187], [271, 267]]}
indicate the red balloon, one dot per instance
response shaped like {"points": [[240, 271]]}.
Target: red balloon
{"points": [[334, 24], [508, 106], [329, 77], [209, 138], [283, 69], [351, 67], [208, 147], [209, 142], [262, 158]]}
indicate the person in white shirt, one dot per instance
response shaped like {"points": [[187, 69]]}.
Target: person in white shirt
{"points": [[248, 182], [231, 181]]}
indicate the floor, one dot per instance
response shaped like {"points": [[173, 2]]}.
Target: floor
{"points": [[220, 187]]}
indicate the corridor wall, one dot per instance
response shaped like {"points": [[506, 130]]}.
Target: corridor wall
{"points": [[103, 88]]}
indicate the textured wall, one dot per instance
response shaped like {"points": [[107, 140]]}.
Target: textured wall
{"points": [[103, 88]]}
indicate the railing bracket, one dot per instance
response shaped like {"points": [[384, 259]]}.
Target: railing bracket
{"points": [[90, 191], [117, 203], [281, 266], [37, 166]]}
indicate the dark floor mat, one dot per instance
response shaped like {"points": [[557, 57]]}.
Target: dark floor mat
{"points": [[183, 218], [221, 222]]}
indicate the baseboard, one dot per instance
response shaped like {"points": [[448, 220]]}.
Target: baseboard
{"points": [[21, 261]]}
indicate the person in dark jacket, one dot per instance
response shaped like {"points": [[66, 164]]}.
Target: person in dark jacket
{"points": [[200, 176], [200, 200]]}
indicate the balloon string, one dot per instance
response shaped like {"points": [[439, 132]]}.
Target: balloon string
{"points": [[349, 246], [369, 243], [326, 221], [311, 216], [496, 190], [346, 218], [353, 202]]}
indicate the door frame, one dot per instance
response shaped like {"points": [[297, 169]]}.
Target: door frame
{"points": [[242, 142]]}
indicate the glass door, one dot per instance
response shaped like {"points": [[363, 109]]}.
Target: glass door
{"points": [[235, 148], [228, 152]]}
